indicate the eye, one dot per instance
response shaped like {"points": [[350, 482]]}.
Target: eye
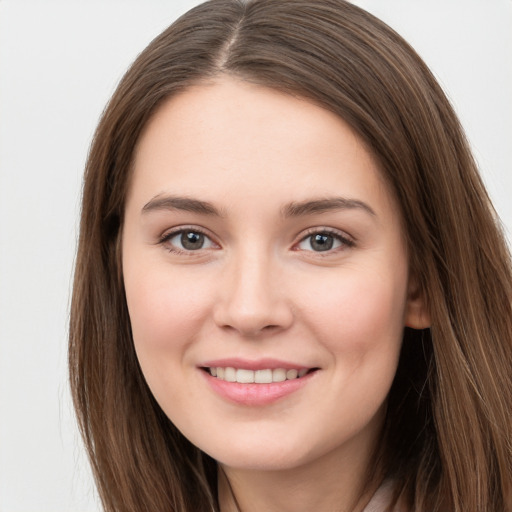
{"points": [[186, 240], [323, 241]]}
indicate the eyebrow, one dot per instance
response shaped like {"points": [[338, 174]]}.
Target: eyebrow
{"points": [[293, 209], [297, 209], [181, 203]]}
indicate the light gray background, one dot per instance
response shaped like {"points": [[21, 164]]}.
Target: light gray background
{"points": [[59, 63]]}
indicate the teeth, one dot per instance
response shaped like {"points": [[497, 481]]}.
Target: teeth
{"points": [[278, 375], [267, 376], [263, 376], [230, 374], [291, 374], [244, 376]]}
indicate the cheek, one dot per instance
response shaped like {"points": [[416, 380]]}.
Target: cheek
{"points": [[359, 322], [359, 313], [166, 309], [166, 314]]}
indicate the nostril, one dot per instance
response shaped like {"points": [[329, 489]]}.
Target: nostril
{"points": [[252, 314]]}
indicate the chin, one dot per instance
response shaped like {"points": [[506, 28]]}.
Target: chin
{"points": [[252, 453], [267, 462], [277, 454]]}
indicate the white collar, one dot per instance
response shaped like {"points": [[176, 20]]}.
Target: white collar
{"points": [[381, 498]]}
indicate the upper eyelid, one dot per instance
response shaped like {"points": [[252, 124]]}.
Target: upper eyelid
{"points": [[331, 231], [171, 232], [164, 241], [346, 242], [342, 235]]}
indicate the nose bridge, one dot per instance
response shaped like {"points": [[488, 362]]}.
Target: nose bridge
{"points": [[253, 298]]}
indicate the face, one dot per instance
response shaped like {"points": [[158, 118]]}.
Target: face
{"points": [[266, 276]]}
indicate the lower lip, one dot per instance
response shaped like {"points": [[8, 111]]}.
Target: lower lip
{"points": [[256, 394]]}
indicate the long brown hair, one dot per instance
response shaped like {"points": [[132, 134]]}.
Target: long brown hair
{"points": [[447, 437]]}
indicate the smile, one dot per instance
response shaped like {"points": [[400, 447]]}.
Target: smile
{"points": [[256, 382], [264, 376], [260, 387]]}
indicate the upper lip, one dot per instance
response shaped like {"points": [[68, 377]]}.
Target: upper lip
{"points": [[255, 364]]}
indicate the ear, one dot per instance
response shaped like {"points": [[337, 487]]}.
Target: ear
{"points": [[417, 315]]}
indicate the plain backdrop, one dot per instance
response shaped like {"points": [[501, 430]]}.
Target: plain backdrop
{"points": [[59, 63]]}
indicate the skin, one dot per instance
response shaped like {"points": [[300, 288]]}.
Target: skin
{"points": [[257, 288]]}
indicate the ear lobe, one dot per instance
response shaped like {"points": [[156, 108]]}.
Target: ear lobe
{"points": [[417, 315]]}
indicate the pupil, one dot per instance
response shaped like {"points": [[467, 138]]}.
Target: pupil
{"points": [[192, 240], [321, 242]]}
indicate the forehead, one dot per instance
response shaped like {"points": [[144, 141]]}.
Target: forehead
{"points": [[230, 137]]}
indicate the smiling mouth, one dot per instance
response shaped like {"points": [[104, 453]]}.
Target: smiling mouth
{"points": [[265, 376]]}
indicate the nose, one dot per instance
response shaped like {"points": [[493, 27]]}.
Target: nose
{"points": [[252, 300]]}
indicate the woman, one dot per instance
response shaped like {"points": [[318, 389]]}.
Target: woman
{"points": [[291, 290]]}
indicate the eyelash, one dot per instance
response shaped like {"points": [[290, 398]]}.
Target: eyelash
{"points": [[165, 239], [344, 240]]}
